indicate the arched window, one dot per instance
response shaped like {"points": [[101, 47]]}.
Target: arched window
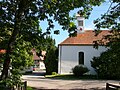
{"points": [[81, 58]]}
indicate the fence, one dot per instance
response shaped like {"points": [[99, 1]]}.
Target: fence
{"points": [[112, 87], [23, 86]]}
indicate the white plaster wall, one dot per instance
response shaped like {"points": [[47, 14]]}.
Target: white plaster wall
{"points": [[68, 57], [42, 65]]}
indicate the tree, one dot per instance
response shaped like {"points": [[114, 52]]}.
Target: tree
{"points": [[51, 60], [107, 64], [110, 19], [18, 18]]}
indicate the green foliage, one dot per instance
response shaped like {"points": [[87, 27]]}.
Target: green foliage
{"points": [[79, 70], [22, 55], [54, 73], [107, 65], [51, 61], [29, 88], [110, 19], [28, 12], [12, 80], [20, 31]]}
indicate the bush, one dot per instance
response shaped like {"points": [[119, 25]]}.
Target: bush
{"points": [[107, 65], [54, 73], [79, 70]]}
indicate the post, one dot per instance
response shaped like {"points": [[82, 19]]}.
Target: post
{"points": [[25, 85], [107, 86]]}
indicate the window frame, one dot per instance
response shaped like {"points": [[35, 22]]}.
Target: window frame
{"points": [[81, 58], [80, 22]]}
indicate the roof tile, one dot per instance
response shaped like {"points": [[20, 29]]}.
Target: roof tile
{"points": [[87, 37]]}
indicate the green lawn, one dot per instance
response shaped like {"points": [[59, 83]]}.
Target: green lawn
{"points": [[71, 77], [29, 88]]}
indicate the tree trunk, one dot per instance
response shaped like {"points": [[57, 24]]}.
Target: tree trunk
{"points": [[23, 5], [6, 66], [10, 45], [8, 53]]}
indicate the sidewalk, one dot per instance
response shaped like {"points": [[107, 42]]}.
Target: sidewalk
{"points": [[41, 83]]}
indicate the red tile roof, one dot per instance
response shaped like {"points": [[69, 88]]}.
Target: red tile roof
{"points": [[85, 38], [2, 51], [36, 57]]}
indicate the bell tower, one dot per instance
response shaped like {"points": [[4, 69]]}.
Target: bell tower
{"points": [[80, 23]]}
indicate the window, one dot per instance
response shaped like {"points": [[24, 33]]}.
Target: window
{"points": [[80, 23], [81, 58]]}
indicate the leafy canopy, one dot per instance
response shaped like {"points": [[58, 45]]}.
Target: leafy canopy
{"points": [[107, 64], [110, 19], [19, 24], [31, 11]]}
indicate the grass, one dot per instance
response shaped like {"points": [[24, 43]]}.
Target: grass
{"points": [[71, 77], [29, 88]]}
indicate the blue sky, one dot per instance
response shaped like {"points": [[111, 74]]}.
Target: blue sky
{"points": [[96, 13]]}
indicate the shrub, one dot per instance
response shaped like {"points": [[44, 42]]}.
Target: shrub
{"points": [[107, 65], [79, 70], [54, 73]]}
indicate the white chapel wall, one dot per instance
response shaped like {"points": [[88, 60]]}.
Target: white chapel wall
{"points": [[68, 57]]}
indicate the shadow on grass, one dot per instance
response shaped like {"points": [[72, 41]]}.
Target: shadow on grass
{"points": [[72, 77]]}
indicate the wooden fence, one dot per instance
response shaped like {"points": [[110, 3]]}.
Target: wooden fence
{"points": [[112, 87], [23, 86]]}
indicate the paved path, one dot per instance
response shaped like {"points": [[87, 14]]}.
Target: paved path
{"points": [[40, 82]]}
